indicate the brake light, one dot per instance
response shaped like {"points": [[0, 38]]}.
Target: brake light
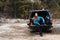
{"points": [[28, 21], [51, 19]]}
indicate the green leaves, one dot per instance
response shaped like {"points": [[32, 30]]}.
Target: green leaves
{"points": [[1, 4], [20, 8]]}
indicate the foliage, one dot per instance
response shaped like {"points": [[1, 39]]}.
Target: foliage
{"points": [[20, 8]]}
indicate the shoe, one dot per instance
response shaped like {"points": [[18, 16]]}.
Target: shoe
{"points": [[41, 34]]}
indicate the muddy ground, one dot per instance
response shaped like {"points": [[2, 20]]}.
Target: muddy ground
{"points": [[19, 31]]}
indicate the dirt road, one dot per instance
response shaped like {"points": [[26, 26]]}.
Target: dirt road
{"points": [[20, 31]]}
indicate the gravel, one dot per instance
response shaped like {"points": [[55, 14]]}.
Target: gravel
{"points": [[19, 31]]}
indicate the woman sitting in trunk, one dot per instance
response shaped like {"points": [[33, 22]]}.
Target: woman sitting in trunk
{"points": [[36, 19]]}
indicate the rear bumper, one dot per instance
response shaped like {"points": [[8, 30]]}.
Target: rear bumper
{"points": [[45, 27]]}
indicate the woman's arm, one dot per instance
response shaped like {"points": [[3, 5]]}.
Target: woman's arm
{"points": [[36, 22]]}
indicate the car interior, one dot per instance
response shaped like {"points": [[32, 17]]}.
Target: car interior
{"points": [[40, 13]]}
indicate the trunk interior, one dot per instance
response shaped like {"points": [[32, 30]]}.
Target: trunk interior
{"points": [[42, 14]]}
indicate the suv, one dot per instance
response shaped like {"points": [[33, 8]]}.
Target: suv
{"points": [[47, 17]]}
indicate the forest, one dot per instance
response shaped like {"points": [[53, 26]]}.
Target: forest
{"points": [[21, 8]]}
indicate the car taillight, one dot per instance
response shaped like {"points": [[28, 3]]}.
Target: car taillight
{"points": [[50, 19], [28, 21]]}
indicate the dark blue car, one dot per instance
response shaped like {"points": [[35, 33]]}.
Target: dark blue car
{"points": [[47, 17]]}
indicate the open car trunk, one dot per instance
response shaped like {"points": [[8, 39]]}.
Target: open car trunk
{"points": [[40, 13], [44, 14]]}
